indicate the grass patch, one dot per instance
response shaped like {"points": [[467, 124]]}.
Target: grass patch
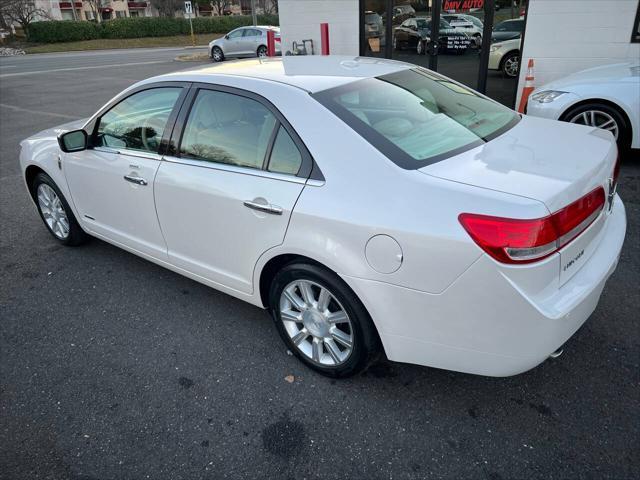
{"points": [[108, 43]]}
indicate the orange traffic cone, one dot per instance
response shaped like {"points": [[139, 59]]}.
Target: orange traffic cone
{"points": [[528, 87]]}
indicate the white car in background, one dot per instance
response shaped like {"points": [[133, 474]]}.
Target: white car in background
{"points": [[505, 56], [243, 42], [606, 97], [369, 205], [468, 24]]}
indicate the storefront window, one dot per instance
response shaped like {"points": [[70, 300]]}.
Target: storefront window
{"points": [[447, 36]]}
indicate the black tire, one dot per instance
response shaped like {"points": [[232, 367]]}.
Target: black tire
{"points": [[504, 65], [216, 54], [76, 235], [624, 131], [366, 343], [261, 51]]}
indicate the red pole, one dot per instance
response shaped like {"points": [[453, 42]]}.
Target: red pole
{"points": [[271, 43], [324, 38]]}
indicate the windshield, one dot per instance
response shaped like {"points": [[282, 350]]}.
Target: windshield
{"points": [[509, 27], [416, 117]]}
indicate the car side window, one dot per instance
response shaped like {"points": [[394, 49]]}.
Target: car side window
{"points": [[285, 156], [237, 33], [227, 128], [138, 121]]}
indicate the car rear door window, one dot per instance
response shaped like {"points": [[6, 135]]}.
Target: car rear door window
{"points": [[285, 156], [138, 121], [227, 128]]}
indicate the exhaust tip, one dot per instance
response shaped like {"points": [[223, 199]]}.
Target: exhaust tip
{"points": [[557, 353]]}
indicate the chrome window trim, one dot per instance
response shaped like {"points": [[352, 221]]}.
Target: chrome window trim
{"points": [[131, 153], [235, 169]]}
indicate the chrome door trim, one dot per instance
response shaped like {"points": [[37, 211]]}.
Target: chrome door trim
{"points": [[129, 153], [137, 180], [272, 209], [235, 169]]}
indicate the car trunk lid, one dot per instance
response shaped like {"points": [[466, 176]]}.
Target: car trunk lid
{"points": [[553, 162]]}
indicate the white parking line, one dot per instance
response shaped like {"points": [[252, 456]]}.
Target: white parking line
{"points": [[71, 69], [37, 112]]}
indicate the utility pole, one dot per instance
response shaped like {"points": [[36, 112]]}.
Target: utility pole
{"points": [[253, 13]]}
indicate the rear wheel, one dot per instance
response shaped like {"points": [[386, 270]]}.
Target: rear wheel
{"points": [[602, 116], [262, 51], [216, 54], [55, 212], [510, 64], [322, 321]]}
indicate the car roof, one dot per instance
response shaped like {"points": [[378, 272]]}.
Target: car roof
{"points": [[312, 73]]}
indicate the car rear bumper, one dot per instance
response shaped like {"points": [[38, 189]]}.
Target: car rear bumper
{"points": [[486, 324]]}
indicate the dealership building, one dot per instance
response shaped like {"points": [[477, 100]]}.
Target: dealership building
{"points": [[562, 36]]}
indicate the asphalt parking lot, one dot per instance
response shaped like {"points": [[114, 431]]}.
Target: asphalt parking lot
{"points": [[114, 368]]}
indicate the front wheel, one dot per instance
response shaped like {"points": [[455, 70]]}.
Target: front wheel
{"points": [[216, 54], [603, 116], [510, 64], [420, 48], [322, 321], [55, 212]]}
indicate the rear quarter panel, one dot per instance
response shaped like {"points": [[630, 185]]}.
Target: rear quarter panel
{"points": [[365, 194]]}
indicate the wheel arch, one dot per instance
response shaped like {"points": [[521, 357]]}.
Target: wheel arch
{"points": [[29, 176], [277, 262], [504, 57], [274, 265], [585, 101]]}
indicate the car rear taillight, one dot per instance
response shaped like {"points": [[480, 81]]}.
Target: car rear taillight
{"points": [[511, 240]]}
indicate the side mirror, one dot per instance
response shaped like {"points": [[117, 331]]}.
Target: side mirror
{"points": [[226, 37], [73, 141]]}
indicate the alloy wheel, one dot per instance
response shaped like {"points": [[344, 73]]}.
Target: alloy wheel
{"points": [[316, 323], [53, 211], [217, 55], [511, 66], [262, 52], [420, 47], [597, 118]]}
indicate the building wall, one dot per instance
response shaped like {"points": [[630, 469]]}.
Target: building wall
{"points": [[565, 36], [301, 19]]}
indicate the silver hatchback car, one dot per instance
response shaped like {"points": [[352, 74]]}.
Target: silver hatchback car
{"points": [[243, 42]]}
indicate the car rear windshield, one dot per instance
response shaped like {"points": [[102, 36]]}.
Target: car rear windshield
{"points": [[416, 117]]}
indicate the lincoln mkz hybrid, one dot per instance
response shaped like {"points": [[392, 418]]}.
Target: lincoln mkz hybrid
{"points": [[371, 206]]}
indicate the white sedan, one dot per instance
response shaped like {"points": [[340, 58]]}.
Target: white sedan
{"points": [[606, 97], [369, 205], [505, 56]]}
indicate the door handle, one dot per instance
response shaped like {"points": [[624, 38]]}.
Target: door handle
{"points": [[272, 209], [136, 180]]}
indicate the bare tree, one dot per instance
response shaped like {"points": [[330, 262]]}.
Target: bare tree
{"points": [[219, 6], [23, 12], [95, 6], [269, 7], [166, 8]]}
